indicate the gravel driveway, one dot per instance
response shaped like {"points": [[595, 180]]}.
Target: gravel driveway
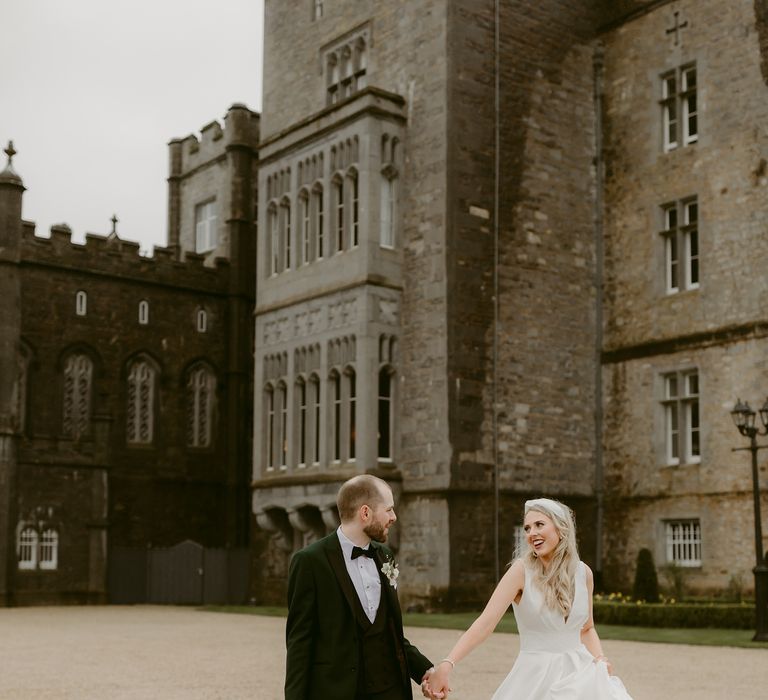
{"points": [[170, 653]]}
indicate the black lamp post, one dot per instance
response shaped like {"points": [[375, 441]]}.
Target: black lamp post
{"points": [[744, 418]]}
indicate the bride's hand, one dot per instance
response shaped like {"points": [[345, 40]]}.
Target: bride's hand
{"points": [[437, 683], [607, 663]]}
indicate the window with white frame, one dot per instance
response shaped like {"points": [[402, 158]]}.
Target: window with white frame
{"points": [[201, 393], [302, 424], [78, 377], [285, 234], [304, 219], [351, 381], [681, 418], [683, 540], [354, 201], [388, 208], [141, 403], [269, 400], [81, 303], [143, 312], [338, 214], [317, 9], [318, 221], [202, 320], [206, 217], [335, 386], [345, 66], [49, 550], [681, 245], [26, 548], [273, 229], [314, 383], [679, 107]]}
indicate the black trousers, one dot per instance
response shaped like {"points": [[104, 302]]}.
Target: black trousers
{"points": [[396, 693]]}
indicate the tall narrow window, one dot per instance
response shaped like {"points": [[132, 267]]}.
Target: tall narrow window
{"points": [[143, 312], [684, 542], [270, 447], [201, 392], [81, 303], [141, 400], [202, 321], [49, 550], [679, 109], [301, 394], [352, 412], [385, 414], [317, 9], [388, 214], [335, 381], [355, 205], [285, 222], [274, 240], [681, 418], [78, 375], [314, 382], [681, 245], [282, 392], [319, 223], [206, 218], [26, 547], [304, 228], [338, 222]]}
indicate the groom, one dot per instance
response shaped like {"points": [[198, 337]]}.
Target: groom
{"points": [[344, 633]]}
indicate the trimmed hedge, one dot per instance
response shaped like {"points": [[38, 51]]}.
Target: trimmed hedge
{"points": [[718, 615]]}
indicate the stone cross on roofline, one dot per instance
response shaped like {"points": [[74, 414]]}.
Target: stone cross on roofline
{"points": [[10, 151], [113, 233], [676, 29]]}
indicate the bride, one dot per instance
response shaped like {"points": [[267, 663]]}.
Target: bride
{"points": [[561, 657]]}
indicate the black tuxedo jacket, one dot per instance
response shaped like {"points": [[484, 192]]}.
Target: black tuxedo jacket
{"points": [[322, 630]]}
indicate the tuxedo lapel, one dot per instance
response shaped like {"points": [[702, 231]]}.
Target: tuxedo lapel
{"points": [[336, 560]]}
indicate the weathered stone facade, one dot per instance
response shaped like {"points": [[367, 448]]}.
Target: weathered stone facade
{"points": [[95, 454]]}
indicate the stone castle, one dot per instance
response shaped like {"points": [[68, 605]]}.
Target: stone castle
{"points": [[493, 250]]}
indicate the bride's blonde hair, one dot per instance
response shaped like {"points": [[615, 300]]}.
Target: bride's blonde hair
{"points": [[558, 580]]}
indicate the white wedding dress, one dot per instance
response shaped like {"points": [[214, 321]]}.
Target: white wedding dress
{"points": [[553, 663]]}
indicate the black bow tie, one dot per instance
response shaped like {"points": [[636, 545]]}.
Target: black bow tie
{"points": [[360, 552]]}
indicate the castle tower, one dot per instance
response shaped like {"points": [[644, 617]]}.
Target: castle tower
{"points": [[11, 389]]}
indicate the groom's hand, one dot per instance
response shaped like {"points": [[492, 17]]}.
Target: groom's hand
{"points": [[426, 689]]}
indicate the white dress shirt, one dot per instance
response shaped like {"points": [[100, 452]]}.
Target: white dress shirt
{"points": [[364, 574]]}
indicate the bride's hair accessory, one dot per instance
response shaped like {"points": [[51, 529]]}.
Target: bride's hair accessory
{"points": [[548, 504]]}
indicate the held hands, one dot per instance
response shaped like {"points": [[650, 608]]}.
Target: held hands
{"points": [[435, 682], [600, 658]]}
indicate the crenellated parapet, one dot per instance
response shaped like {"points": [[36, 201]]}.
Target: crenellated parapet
{"points": [[114, 257], [240, 130]]}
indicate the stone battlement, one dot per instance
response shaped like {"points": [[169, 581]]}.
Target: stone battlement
{"points": [[111, 255], [240, 130]]}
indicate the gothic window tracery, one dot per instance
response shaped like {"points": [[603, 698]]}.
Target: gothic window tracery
{"points": [[78, 377], [141, 402], [201, 393]]}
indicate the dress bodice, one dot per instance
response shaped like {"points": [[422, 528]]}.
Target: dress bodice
{"points": [[544, 629]]}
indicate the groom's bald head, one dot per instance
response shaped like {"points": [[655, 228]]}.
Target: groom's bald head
{"points": [[364, 489]]}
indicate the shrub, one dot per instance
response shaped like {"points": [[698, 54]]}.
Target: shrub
{"points": [[646, 582], [637, 614]]}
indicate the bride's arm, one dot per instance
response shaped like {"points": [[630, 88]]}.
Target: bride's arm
{"points": [[510, 586], [589, 636]]}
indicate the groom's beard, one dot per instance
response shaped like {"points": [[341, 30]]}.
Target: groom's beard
{"points": [[376, 531]]}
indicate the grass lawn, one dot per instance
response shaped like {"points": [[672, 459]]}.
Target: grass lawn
{"points": [[460, 621]]}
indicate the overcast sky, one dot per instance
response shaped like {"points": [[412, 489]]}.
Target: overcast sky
{"points": [[91, 91]]}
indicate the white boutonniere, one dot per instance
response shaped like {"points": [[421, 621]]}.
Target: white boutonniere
{"points": [[390, 570]]}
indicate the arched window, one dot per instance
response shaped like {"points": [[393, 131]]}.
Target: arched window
{"points": [[338, 214], [304, 227], [273, 230], [354, 196], [201, 393], [202, 321], [141, 403], [269, 400], [282, 391], [143, 312], [81, 303], [26, 548], [49, 550], [351, 412], [385, 413], [360, 63], [285, 233], [301, 423], [335, 386], [318, 227], [314, 383], [78, 376], [388, 209]]}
